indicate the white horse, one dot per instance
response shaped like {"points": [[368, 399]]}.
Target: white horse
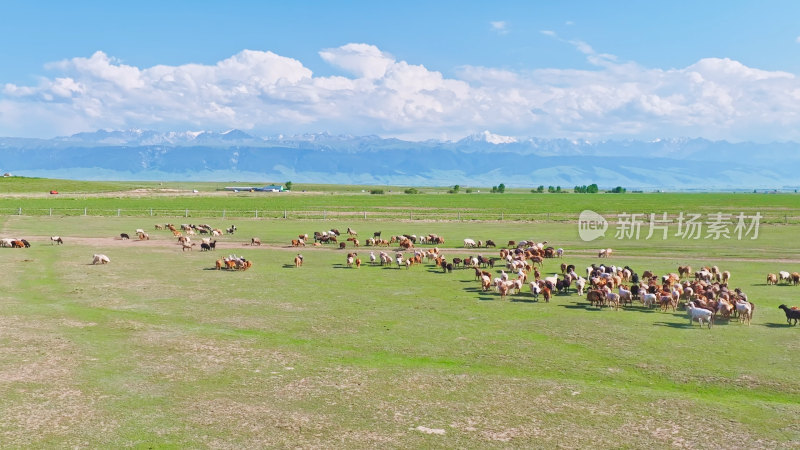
{"points": [[100, 259]]}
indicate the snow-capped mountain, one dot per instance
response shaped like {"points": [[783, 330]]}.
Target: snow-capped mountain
{"points": [[484, 159]]}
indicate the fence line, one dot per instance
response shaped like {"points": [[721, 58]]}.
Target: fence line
{"points": [[362, 214]]}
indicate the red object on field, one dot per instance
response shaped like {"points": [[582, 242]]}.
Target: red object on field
{"points": [[54, 192]]}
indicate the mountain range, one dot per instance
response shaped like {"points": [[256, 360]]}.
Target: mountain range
{"points": [[483, 159]]}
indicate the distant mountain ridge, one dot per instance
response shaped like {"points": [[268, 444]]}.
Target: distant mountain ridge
{"points": [[484, 159]]}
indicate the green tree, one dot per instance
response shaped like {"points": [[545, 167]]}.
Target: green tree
{"points": [[288, 185], [592, 188], [501, 188], [540, 189]]}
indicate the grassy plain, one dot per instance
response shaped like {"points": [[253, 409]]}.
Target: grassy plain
{"points": [[173, 200], [157, 350]]}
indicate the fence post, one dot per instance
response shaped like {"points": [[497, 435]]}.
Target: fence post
{"points": [[365, 215], [117, 212], [459, 215], [19, 213], [501, 215], [151, 212], [284, 213], [186, 213], [84, 211], [256, 214], [410, 215], [51, 211], [324, 214]]}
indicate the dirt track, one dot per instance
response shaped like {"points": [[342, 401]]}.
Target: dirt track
{"points": [[228, 245]]}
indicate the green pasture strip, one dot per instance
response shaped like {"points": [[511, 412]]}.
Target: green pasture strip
{"points": [[157, 349], [776, 208], [18, 185]]}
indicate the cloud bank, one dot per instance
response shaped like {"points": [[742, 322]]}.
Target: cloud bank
{"points": [[265, 93]]}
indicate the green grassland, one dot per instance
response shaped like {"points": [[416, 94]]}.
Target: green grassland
{"points": [[158, 350], [173, 200]]}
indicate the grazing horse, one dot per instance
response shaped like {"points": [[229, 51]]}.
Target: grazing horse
{"points": [[101, 259], [56, 240], [791, 314], [298, 260], [745, 311], [124, 236]]}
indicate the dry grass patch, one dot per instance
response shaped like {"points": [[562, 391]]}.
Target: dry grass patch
{"points": [[58, 412], [340, 381], [255, 424], [44, 398], [33, 352], [178, 356], [670, 423]]}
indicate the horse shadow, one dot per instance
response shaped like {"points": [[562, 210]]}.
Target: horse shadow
{"points": [[585, 306], [641, 309], [777, 325], [671, 324]]}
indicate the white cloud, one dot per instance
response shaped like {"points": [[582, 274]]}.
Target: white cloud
{"points": [[499, 26], [362, 60], [797, 39], [267, 93]]}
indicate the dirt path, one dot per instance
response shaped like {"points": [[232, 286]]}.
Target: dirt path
{"points": [[238, 245]]}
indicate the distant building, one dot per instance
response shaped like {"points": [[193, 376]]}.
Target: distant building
{"points": [[272, 188], [268, 188]]}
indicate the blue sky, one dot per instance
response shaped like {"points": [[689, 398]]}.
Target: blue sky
{"points": [[416, 70]]}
